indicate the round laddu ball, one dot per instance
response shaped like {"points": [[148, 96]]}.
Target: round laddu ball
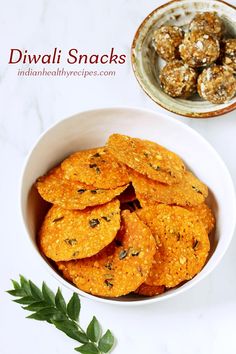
{"points": [[229, 54], [217, 84], [166, 41], [208, 23], [178, 79], [199, 49]]}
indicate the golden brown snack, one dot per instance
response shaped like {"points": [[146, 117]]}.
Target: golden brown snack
{"points": [[166, 41], [199, 49], [147, 158], [111, 250], [217, 84], [229, 53], [119, 268], [205, 215], [183, 244], [208, 23], [149, 290], [189, 192], [74, 234], [96, 167], [68, 194], [178, 79]]}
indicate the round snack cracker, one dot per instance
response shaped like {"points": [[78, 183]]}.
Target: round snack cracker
{"points": [[96, 167], [149, 290], [119, 268], [205, 214], [74, 234], [147, 158], [189, 192], [183, 244], [68, 194]]}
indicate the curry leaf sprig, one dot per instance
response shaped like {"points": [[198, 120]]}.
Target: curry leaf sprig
{"points": [[46, 306]]}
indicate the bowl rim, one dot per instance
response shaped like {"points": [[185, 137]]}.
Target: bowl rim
{"points": [[112, 301], [210, 114]]}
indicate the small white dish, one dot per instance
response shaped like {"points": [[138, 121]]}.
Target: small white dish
{"points": [[91, 129], [147, 64]]}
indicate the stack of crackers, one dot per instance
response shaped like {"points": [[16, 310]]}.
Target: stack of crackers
{"points": [[127, 217]]}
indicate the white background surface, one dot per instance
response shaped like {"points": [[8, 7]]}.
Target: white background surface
{"points": [[201, 321]]}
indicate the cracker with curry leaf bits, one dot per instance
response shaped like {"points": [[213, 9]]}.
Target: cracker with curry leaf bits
{"points": [[121, 267], [73, 234], [148, 158], [190, 191], [149, 290], [205, 214], [58, 190], [183, 244], [96, 167]]}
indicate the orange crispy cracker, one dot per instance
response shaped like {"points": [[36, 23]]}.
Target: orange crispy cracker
{"points": [[189, 192], [74, 234], [205, 214], [183, 244], [56, 189], [96, 167], [148, 158], [149, 290], [119, 268]]}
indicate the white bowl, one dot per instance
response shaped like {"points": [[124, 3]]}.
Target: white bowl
{"points": [[91, 129]]}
